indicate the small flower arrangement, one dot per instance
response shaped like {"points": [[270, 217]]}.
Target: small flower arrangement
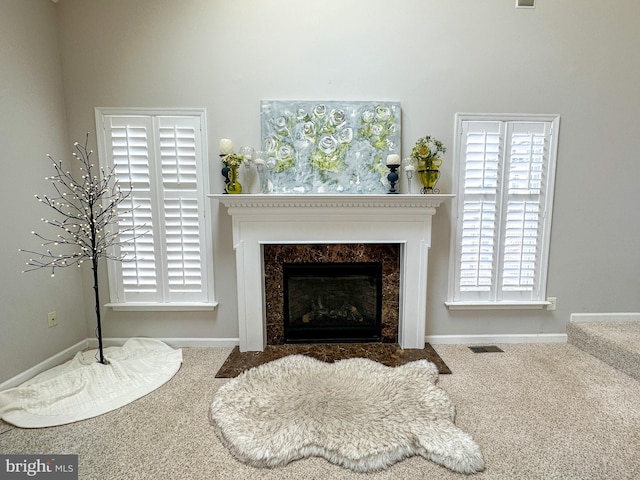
{"points": [[426, 153], [233, 160]]}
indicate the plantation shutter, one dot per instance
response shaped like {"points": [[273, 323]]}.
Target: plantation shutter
{"points": [[130, 140], [161, 159], [479, 222], [504, 190], [524, 210], [179, 146]]}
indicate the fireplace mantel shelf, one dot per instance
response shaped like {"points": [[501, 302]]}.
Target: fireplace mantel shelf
{"points": [[258, 201], [324, 218]]}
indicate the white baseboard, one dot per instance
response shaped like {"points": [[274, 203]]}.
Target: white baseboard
{"points": [[605, 317], [172, 342], [45, 365], [485, 339], [92, 343]]}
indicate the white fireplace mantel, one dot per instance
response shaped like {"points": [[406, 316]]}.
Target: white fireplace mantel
{"points": [[306, 219]]}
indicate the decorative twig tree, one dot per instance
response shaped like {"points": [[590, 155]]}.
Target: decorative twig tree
{"points": [[88, 209]]}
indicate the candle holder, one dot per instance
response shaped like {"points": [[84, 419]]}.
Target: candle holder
{"points": [[226, 148], [393, 177], [261, 167], [247, 154], [409, 167], [225, 173]]}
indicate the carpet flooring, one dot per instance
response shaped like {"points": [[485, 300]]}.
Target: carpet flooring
{"points": [[388, 354], [538, 412], [615, 343]]}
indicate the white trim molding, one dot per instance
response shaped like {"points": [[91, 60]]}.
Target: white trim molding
{"points": [[497, 305], [164, 307], [177, 342], [496, 338], [605, 317]]}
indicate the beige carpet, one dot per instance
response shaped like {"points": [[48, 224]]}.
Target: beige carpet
{"points": [[615, 343], [537, 411]]}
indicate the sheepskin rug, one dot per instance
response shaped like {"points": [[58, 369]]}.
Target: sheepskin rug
{"points": [[356, 413]]}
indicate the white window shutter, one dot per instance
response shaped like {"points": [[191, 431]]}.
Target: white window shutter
{"points": [[504, 190], [162, 159], [482, 147], [524, 208], [184, 267], [129, 143], [183, 224]]}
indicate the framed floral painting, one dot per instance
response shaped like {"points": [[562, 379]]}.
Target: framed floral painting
{"points": [[328, 146]]}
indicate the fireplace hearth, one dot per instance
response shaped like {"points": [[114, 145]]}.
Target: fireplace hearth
{"points": [[332, 302]]}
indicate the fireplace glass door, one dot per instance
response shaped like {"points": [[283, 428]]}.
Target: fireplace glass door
{"points": [[332, 302]]}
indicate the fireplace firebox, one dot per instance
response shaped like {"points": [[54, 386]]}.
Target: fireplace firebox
{"points": [[332, 302]]}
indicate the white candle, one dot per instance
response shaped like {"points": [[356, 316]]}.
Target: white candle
{"points": [[259, 161], [226, 146], [393, 159], [409, 168]]}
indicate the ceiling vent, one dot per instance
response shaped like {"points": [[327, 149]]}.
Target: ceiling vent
{"points": [[525, 3]]}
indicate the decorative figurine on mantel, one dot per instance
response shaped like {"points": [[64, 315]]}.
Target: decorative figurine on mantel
{"points": [[426, 155], [393, 162]]}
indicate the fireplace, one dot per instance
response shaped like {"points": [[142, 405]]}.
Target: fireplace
{"points": [[332, 302], [302, 257], [263, 220]]}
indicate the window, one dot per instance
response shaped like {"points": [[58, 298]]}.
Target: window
{"points": [[161, 156], [504, 193]]}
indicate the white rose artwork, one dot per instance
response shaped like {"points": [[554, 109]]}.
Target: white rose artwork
{"points": [[329, 146]]}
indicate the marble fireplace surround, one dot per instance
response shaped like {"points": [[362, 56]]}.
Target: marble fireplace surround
{"points": [[331, 219], [276, 256]]}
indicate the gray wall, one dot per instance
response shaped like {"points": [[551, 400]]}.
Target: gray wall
{"points": [[32, 124], [575, 58]]}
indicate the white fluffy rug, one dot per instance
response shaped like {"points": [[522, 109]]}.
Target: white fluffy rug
{"points": [[356, 413], [83, 388]]}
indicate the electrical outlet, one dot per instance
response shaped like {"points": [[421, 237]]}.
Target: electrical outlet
{"points": [[553, 303], [52, 318]]}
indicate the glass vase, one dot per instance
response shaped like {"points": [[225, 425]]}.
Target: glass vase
{"points": [[234, 185], [428, 179]]}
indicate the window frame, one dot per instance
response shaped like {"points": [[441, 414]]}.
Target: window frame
{"points": [[117, 299], [454, 302]]}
